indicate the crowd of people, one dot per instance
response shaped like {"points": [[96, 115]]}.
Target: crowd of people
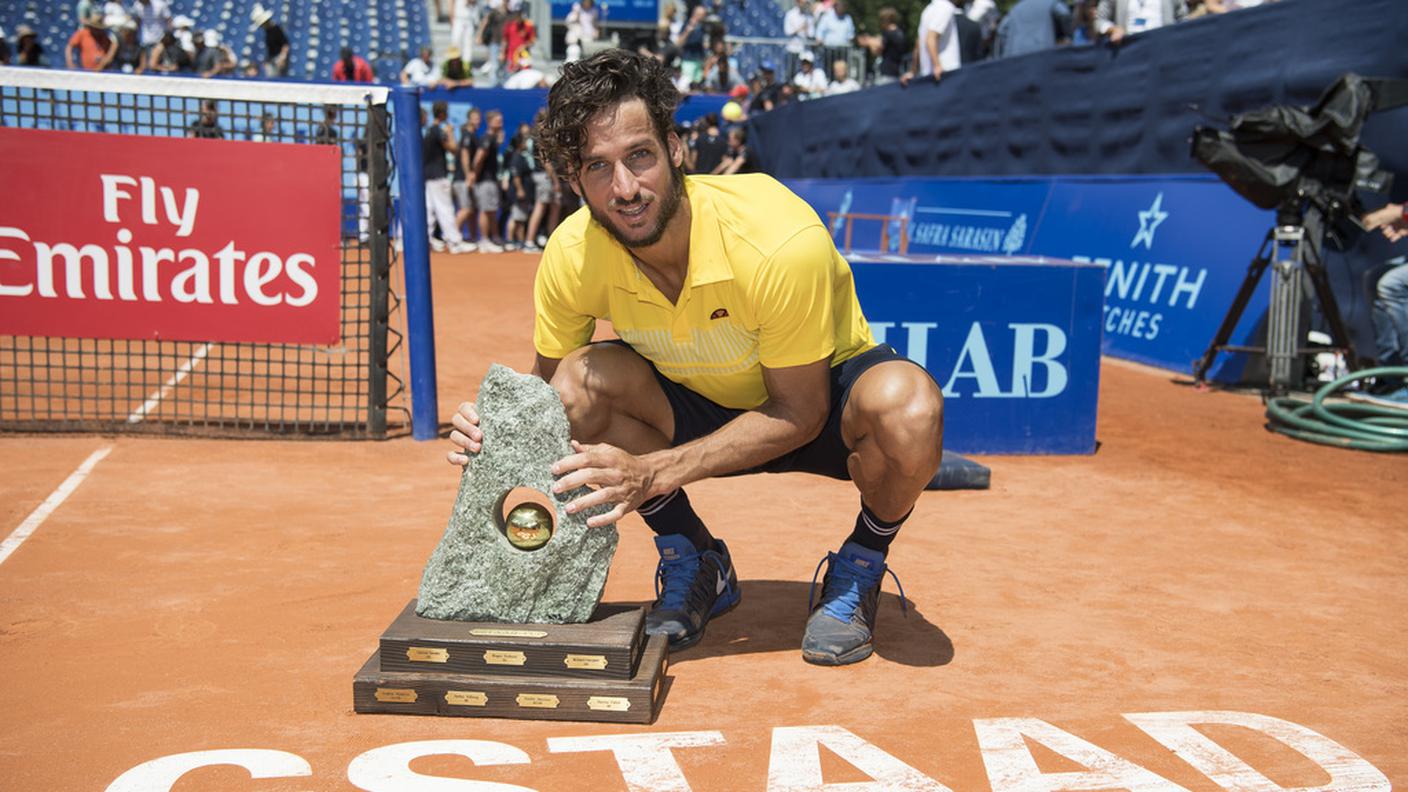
{"points": [[145, 36], [482, 195]]}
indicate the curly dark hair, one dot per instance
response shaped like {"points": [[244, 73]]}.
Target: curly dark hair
{"points": [[591, 85]]}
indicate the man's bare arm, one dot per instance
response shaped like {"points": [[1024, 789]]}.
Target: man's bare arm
{"points": [[793, 416]]}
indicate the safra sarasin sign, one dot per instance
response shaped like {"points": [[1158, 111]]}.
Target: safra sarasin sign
{"points": [[121, 236]]}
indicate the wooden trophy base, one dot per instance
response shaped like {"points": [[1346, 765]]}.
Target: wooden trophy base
{"points": [[601, 670], [633, 700]]}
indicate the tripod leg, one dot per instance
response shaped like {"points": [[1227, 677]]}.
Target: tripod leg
{"points": [[1234, 313], [1339, 334]]}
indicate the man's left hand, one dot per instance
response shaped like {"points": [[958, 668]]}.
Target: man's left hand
{"points": [[615, 477]]}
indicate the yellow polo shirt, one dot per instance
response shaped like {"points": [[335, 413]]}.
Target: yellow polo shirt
{"points": [[766, 287]]}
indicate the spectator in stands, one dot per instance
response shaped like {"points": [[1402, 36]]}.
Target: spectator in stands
{"points": [[276, 45], [168, 56], [798, 25], [987, 15], [455, 72], [1033, 26], [835, 31], [971, 47], [891, 47], [841, 79], [691, 41], [768, 93], [153, 20], [1083, 23], [809, 80], [28, 50], [1118, 18], [351, 67], [486, 181], [420, 70], [720, 69], [707, 145], [464, 27], [547, 204], [90, 47], [438, 140], [520, 178], [207, 124], [491, 35], [325, 132], [461, 183], [583, 24], [5, 54], [216, 59], [268, 129], [519, 36], [129, 58], [526, 77], [736, 159], [184, 29], [936, 43]]}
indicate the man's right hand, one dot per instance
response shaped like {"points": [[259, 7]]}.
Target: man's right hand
{"points": [[466, 435]]}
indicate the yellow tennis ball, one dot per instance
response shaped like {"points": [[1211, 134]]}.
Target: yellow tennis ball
{"points": [[732, 111]]}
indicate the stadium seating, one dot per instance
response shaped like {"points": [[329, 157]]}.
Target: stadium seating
{"points": [[754, 19], [384, 32]]}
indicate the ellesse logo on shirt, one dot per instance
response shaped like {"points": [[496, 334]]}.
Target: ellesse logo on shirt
{"points": [[719, 313]]}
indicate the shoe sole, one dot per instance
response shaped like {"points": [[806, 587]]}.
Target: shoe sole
{"points": [[846, 658], [690, 640]]}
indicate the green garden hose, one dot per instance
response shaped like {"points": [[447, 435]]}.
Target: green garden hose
{"points": [[1344, 424]]}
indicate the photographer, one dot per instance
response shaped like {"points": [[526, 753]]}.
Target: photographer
{"points": [[1390, 309]]}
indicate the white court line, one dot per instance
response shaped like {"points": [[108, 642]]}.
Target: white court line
{"points": [[157, 395], [58, 496]]}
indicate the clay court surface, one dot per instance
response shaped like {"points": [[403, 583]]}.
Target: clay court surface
{"points": [[198, 595]]}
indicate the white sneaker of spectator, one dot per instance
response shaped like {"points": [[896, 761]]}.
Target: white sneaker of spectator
{"points": [[463, 247], [437, 245], [486, 246]]}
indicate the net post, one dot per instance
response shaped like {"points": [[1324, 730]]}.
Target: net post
{"points": [[420, 318], [373, 154]]}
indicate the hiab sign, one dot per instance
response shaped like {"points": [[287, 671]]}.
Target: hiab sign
{"points": [[123, 236]]}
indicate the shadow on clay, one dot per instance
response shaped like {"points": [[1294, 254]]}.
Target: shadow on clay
{"points": [[773, 614]]}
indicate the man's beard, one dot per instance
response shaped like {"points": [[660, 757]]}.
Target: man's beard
{"points": [[669, 207]]}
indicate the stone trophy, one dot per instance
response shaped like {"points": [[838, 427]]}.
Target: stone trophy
{"points": [[509, 621]]}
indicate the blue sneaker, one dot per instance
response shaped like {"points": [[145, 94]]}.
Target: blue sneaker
{"points": [[842, 625], [690, 588]]}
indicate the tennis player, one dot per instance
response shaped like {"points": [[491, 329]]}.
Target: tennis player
{"points": [[742, 349]]}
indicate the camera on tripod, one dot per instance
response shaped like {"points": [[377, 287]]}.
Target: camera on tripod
{"points": [[1308, 165]]}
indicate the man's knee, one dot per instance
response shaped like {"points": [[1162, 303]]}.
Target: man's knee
{"points": [[901, 409]]}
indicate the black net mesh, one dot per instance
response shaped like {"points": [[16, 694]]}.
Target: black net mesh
{"points": [[224, 389]]}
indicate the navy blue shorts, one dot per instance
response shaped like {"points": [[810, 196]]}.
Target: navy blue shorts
{"points": [[697, 416]]}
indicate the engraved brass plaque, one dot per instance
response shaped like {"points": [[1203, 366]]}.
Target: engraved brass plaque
{"points": [[596, 662], [495, 632], [609, 703], [426, 654], [537, 700], [496, 657], [397, 695], [466, 698]]}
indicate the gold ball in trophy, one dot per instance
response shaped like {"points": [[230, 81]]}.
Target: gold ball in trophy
{"points": [[529, 526]]}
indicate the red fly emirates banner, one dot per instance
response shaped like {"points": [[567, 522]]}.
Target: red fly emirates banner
{"points": [[123, 236]]}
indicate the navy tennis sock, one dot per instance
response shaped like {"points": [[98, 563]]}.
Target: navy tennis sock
{"points": [[671, 514], [874, 533]]}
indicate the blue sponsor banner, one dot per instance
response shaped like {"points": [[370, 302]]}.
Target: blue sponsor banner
{"points": [[615, 10], [1014, 342], [1176, 247]]}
